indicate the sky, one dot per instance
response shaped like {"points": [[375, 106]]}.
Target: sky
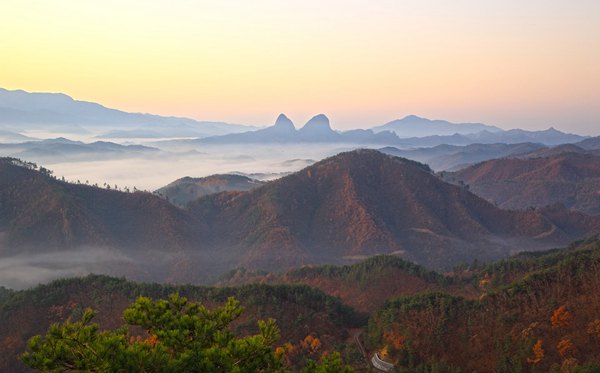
{"points": [[529, 64]]}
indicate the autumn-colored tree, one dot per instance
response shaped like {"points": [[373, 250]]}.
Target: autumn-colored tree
{"points": [[303, 355], [485, 282], [561, 318], [394, 339], [565, 348], [538, 353], [383, 352], [311, 344]]}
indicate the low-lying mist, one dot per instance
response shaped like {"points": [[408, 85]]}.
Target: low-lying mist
{"points": [[154, 170], [26, 270]]}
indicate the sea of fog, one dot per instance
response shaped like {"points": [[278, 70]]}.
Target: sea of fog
{"points": [[154, 170]]}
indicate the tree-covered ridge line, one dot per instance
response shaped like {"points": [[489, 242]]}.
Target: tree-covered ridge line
{"points": [[503, 272], [548, 320], [252, 294], [370, 267], [358, 272], [49, 174]]}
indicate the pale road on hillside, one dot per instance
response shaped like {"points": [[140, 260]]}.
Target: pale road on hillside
{"points": [[380, 364], [375, 360]]}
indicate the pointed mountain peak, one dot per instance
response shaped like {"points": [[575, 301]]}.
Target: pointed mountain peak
{"points": [[552, 130], [284, 122], [412, 117]]}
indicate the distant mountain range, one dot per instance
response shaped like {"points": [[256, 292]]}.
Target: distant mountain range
{"points": [[20, 110], [58, 113], [341, 209], [450, 157], [414, 126], [11, 137], [455, 157], [316, 130], [549, 137], [68, 150], [569, 178]]}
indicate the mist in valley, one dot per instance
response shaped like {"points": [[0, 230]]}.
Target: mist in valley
{"points": [[26, 270], [152, 170]]}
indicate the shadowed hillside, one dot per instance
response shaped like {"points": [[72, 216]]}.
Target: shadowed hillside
{"points": [[135, 234], [365, 203], [572, 179], [338, 211], [365, 285]]}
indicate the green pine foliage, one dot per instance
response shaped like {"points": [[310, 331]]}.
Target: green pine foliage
{"points": [[165, 335]]}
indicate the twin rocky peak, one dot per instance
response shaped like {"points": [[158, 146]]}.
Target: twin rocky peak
{"points": [[317, 128]]}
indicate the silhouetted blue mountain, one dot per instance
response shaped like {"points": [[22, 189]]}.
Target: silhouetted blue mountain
{"points": [[23, 109], [414, 126], [61, 147], [452, 157], [593, 143], [316, 130]]}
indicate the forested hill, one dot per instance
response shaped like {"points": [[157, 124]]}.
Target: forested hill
{"points": [[547, 319], [300, 311], [365, 285], [338, 211]]}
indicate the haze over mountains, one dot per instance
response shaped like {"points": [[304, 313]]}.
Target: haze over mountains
{"points": [[283, 206], [347, 207], [183, 191], [399, 133], [62, 133], [414, 126], [58, 112], [568, 178], [22, 111], [316, 130]]}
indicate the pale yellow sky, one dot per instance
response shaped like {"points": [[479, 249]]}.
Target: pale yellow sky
{"points": [[530, 64]]}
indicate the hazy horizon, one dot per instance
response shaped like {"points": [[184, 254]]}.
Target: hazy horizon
{"points": [[510, 64]]}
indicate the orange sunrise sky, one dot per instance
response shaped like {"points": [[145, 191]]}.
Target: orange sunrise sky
{"points": [[528, 64]]}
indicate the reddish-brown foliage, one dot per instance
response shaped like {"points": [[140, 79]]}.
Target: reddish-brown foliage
{"points": [[561, 318], [538, 353]]}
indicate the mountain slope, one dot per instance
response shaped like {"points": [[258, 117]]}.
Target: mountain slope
{"points": [[184, 190], [365, 285], [572, 179], [24, 109], [345, 208], [364, 203], [555, 307], [91, 229], [298, 310], [592, 143]]}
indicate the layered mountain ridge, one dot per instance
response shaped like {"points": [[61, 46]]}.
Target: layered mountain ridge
{"points": [[571, 178], [342, 209]]}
